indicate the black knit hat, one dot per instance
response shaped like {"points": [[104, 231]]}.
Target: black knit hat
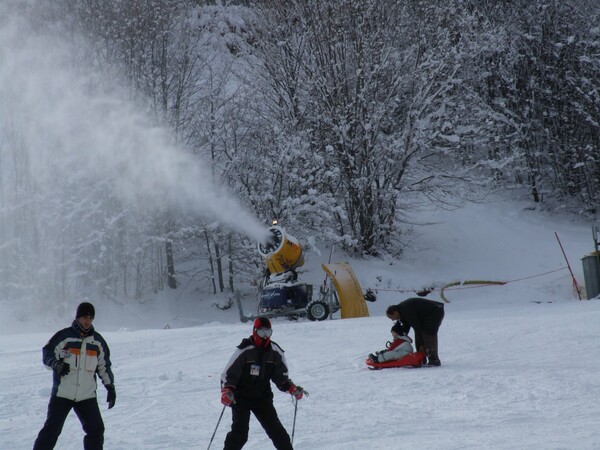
{"points": [[85, 309], [398, 329]]}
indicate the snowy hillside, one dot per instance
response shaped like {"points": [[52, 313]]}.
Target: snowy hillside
{"points": [[520, 361]]}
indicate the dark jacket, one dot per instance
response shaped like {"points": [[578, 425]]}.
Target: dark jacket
{"points": [[87, 355], [421, 315], [251, 369]]}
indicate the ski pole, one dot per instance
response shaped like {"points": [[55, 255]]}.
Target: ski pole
{"points": [[305, 392], [215, 432], [294, 425]]}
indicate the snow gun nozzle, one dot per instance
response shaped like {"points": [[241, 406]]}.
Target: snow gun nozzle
{"points": [[271, 241]]}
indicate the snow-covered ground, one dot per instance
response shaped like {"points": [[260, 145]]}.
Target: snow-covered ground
{"points": [[520, 361]]}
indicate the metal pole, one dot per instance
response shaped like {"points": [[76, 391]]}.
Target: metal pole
{"points": [[238, 300], [575, 284], [215, 432], [330, 297], [595, 236]]}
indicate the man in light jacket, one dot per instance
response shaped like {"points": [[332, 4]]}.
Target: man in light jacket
{"points": [[76, 355]]}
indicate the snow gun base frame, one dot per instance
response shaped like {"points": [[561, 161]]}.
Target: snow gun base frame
{"points": [[325, 306], [340, 291]]}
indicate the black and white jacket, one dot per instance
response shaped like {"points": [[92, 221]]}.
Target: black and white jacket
{"points": [[251, 369]]}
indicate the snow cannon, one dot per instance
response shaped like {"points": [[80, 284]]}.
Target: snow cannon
{"points": [[282, 252], [281, 294]]}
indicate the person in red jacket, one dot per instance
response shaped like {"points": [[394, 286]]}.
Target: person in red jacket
{"points": [[246, 387], [424, 317]]}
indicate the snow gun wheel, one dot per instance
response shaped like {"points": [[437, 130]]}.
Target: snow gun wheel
{"points": [[317, 310]]}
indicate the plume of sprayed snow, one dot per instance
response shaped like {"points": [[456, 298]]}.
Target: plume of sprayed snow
{"points": [[67, 122]]}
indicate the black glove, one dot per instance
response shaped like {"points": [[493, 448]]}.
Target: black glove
{"points": [[61, 367], [111, 395], [370, 295]]}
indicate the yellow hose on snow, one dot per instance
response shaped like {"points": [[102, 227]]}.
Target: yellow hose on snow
{"points": [[469, 282]]}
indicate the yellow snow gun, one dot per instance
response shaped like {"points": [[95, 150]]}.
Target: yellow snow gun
{"points": [[281, 294], [282, 252]]}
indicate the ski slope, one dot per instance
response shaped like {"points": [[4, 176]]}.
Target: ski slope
{"points": [[520, 362]]}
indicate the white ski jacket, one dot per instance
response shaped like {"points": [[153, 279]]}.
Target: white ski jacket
{"points": [[87, 355], [400, 346]]}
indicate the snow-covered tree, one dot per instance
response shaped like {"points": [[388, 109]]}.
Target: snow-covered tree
{"points": [[543, 83], [372, 88]]}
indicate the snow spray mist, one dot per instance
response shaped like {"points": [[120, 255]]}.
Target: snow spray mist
{"points": [[71, 123]]}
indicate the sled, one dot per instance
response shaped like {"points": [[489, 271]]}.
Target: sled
{"points": [[411, 360], [351, 296]]}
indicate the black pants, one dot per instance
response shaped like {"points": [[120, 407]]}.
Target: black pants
{"points": [[264, 411], [89, 415], [426, 340]]}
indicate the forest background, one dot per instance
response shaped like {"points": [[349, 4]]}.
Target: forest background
{"points": [[128, 127]]}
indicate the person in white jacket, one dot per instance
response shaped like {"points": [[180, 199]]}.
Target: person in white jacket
{"points": [[400, 346], [76, 355]]}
